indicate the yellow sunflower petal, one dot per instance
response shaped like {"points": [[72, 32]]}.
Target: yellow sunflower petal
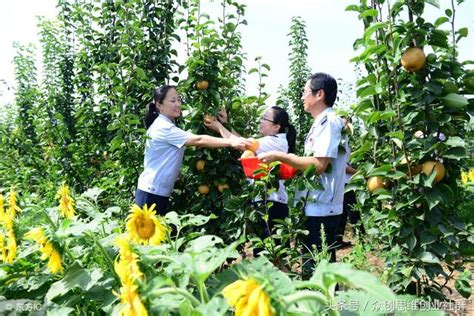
{"points": [[13, 207], [54, 263], [264, 308], [471, 175], [11, 248], [66, 202], [131, 302], [252, 303], [36, 234], [144, 227], [3, 248], [234, 291]]}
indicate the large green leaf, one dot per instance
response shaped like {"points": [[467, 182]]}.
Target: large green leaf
{"points": [[456, 153], [74, 277], [455, 101], [344, 273], [455, 141]]}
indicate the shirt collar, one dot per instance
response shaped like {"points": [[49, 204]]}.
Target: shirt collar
{"points": [[322, 115], [165, 118]]}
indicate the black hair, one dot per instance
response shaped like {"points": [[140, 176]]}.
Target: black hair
{"points": [[325, 82], [151, 113], [281, 117]]}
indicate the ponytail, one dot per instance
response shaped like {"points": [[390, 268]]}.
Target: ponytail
{"points": [[291, 138], [281, 117], [151, 113]]}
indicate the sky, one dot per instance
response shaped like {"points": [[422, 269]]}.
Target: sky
{"points": [[330, 30]]}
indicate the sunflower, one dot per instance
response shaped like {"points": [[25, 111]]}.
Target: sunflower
{"points": [[11, 248], [46, 248], [248, 298], [3, 248], [5, 218], [464, 177], [471, 175], [131, 303], [54, 263], [126, 266], [144, 227], [66, 202], [13, 207]]}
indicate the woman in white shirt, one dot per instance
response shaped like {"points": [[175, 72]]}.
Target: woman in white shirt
{"points": [[278, 135], [165, 146]]}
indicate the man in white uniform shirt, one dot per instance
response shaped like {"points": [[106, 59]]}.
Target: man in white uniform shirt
{"points": [[322, 148]]}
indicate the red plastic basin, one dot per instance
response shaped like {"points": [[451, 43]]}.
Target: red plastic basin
{"points": [[251, 164]]}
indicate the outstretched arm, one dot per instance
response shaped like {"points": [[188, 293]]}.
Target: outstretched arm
{"points": [[300, 163], [222, 117], [218, 127], [217, 142]]}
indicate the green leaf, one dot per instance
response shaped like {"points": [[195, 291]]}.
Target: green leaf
{"points": [[440, 21], [92, 194], [455, 101], [74, 277], [433, 197], [380, 171], [463, 32], [411, 242], [396, 134], [344, 273], [370, 12], [433, 216], [311, 170], [427, 238], [428, 257], [373, 28], [456, 153], [397, 142], [352, 7], [366, 91], [455, 141], [396, 175], [434, 3], [204, 242], [463, 284], [173, 218]]}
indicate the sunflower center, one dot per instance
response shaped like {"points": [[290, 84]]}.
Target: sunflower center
{"points": [[145, 227]]}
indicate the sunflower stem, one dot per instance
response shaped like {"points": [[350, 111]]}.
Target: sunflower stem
{"points": [[314, 296], [311, 285], [174, 290], [107, 257], [55, 227], [69, 253], [202, 290]]}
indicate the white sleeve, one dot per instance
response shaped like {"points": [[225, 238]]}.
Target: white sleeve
{"points": [[327, 143], [271, 143], [177, 137]]}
